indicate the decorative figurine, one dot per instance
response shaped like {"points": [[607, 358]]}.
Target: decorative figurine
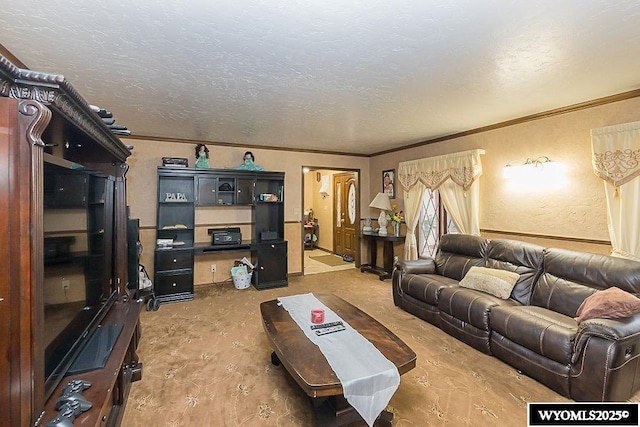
{"points": [[248, 164], [202, 156]]}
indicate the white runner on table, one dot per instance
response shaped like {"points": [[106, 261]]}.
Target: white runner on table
{"points": [[368, 379]]}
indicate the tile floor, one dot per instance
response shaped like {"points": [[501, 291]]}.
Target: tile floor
{"points": [[312, 266]]}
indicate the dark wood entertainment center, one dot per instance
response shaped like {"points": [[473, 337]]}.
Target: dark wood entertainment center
{"points": [[43, 117], [182, 191]]}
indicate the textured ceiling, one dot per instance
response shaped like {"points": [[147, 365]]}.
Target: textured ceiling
{"points": [[357, 76]]}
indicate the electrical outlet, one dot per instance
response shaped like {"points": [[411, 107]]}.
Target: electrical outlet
{"points": [[65, 284], [213, 268]]}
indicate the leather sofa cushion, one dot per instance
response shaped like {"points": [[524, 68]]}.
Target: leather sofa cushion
{"points": [[519, 257], [542, 331], [570, 277], [425, 287], [470, 306], [560, 295], [457, 253]]}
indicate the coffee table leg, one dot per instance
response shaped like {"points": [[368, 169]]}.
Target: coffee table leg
{"points": [[274, 359]]}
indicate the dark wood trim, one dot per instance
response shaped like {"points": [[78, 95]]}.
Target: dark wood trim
{"points": [[11, 57], [30, 104], [120, 231], [58, 94], [547, 236], [227, 224], [543, 115], [235, 144], [33, 118]]}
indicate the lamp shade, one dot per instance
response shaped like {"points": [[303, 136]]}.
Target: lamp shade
{"points": [[324, 187], [381, 201]]}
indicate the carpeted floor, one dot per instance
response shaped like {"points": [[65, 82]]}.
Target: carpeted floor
{"points": [[207, 363], [332, 260]]}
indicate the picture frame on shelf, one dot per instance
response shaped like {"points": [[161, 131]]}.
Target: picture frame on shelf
{"points": [[389, 183]]}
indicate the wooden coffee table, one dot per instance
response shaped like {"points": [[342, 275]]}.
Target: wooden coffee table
{"points": [[309, 368]]}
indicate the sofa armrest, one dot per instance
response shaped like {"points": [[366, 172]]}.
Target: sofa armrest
{"points": [[402, 268], [417, 266], [610, 329]]}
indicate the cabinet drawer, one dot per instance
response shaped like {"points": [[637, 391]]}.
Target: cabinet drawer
{"points": [[174, 282], [173, 259]]}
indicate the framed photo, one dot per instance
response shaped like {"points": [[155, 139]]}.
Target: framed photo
{"points": [[389, 183]]}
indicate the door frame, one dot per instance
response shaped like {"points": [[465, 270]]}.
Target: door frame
{"points": [[310, 175]]}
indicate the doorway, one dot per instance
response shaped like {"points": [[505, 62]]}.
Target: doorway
{"points": [[331, 217], [345, 208]]}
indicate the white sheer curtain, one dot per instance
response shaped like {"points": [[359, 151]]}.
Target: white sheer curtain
{"points": [[616, 159], [412, 202], [455, 176]]}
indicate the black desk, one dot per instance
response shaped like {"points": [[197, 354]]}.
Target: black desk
{"points": [[387, 254], [207, 248]]}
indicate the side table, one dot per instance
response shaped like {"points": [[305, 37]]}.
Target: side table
{"points": [[310, 233], [387, 254]]}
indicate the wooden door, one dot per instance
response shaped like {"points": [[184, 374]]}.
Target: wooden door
{"points": [[346, 211]]}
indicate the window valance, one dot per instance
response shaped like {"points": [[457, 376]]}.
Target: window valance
{"points": [[616, 152], [463, 168], [616, 159]]}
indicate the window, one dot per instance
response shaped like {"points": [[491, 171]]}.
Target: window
{"points": [[433, 223]]}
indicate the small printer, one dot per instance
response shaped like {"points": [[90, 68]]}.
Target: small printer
{"points": [[225, 236]]}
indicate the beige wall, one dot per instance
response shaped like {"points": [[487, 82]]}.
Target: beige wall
{"points": [[578, 210], [322, 207], [142, 193]]}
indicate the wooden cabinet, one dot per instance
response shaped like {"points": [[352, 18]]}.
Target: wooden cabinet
{"points": [[268, 212], [175, 233], [44, 121], [67, 190], [271, 261], [223, 190], [182, 191], [174, 274]]}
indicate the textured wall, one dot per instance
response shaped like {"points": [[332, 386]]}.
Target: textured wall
{"points": [[577, 210], [142, 193]]}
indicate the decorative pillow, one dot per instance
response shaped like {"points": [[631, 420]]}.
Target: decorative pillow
{"points": [[611, 303], [496, 282]]}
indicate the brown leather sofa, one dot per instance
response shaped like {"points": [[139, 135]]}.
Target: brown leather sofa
{"points": [[534, 330]]}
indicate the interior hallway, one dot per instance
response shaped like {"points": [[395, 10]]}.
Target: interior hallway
{"points": [[312, 266]]}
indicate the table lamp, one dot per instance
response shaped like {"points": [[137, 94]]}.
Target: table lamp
{"points": [[382, 202]]}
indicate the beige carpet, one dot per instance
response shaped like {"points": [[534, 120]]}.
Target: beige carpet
{"points": [[207, 363], [332, 260]]}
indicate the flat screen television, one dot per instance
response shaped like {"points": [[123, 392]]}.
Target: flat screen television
{"points": [[78, 289]]}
